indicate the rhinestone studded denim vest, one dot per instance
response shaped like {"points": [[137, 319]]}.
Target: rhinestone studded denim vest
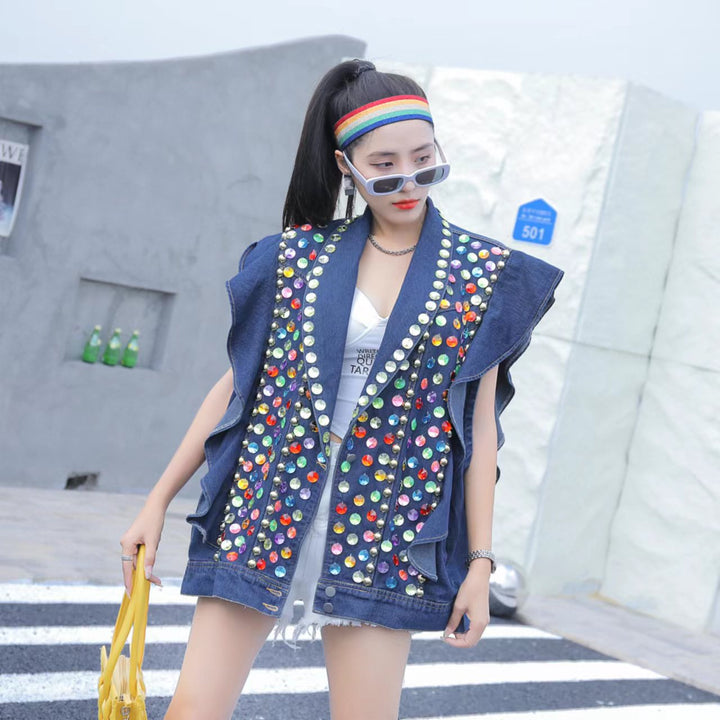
{"points": [[397, 535]]}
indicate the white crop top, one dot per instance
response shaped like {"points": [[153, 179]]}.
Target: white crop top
{"points": [[365, 333]]}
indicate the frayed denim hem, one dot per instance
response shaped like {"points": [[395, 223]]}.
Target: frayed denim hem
{"points": [[309, 625]]}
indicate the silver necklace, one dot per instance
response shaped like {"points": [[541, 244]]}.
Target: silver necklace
{"points": [[372, 239]]}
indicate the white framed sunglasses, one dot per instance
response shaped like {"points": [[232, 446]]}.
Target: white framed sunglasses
{"points": [[388, 184]]}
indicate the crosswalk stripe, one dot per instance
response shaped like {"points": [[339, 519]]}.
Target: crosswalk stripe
{"points": [[169, 594], [50, 687], [101, 634], [686, 711], [24, 593], [90, 635]]}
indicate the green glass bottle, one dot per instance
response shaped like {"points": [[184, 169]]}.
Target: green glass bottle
{"points": [[91, 351], [130, 354], [111, 356]]}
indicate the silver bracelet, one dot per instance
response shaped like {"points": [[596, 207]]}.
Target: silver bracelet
{"points": [[480, 554]]}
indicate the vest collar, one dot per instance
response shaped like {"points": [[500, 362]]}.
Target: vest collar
{"points": [[415, 308]]}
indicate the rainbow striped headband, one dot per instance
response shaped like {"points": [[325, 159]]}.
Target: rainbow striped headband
{"points": [[381, 112]]}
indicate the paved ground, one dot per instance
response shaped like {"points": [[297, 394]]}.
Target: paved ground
{"points": [[73, 537]]}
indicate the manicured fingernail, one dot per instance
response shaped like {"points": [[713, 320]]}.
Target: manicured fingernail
{"points": [[148, 571]]}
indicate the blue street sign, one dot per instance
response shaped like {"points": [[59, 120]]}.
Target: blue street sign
{"points": [[535, 222]]}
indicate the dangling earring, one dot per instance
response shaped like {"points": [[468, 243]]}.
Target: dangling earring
{"points": [[349, 190], [348, 185]]}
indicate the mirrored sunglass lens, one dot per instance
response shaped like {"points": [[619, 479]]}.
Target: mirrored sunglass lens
{"points": [[386, 185], [430, 176]]}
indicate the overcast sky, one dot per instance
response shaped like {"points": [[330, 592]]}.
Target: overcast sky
{"points": [[669, 45]]}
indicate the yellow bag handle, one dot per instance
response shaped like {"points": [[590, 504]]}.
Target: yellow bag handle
{"points": [[133, 613]]}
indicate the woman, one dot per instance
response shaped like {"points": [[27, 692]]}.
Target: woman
{"points": [[352, 445]]}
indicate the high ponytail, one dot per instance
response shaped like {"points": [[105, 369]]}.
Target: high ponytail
{"points": [[315, 181]]}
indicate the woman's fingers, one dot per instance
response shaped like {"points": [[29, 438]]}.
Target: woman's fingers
{"points": [[145, 530], [150, 550], [128, 566], [472, 636], [128, 560], [154, 579], [465, 640], [455, 618]]}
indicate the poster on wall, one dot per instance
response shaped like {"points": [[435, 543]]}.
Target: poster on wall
{"points": [[13, 159]]}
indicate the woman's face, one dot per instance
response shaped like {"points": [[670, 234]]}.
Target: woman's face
{"points": [[400, 147]]}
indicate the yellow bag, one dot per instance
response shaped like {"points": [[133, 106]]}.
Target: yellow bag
{"points": [[121, 688]]}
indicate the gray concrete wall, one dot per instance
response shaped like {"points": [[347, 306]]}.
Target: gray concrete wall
{"points": [[145, 183]]}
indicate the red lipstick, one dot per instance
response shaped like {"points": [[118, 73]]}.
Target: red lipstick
{"points": [[406, 204]]}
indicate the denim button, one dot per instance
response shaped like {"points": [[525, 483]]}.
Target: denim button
{"points": [[330, 591], [328, 607]]}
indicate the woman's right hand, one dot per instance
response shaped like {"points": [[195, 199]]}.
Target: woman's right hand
{"points": [[145, 530]]}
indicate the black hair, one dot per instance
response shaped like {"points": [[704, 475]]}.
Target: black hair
{"points": [[315, 182]]}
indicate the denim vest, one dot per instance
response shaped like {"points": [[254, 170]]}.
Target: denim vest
{"points": [[397, 535]]}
